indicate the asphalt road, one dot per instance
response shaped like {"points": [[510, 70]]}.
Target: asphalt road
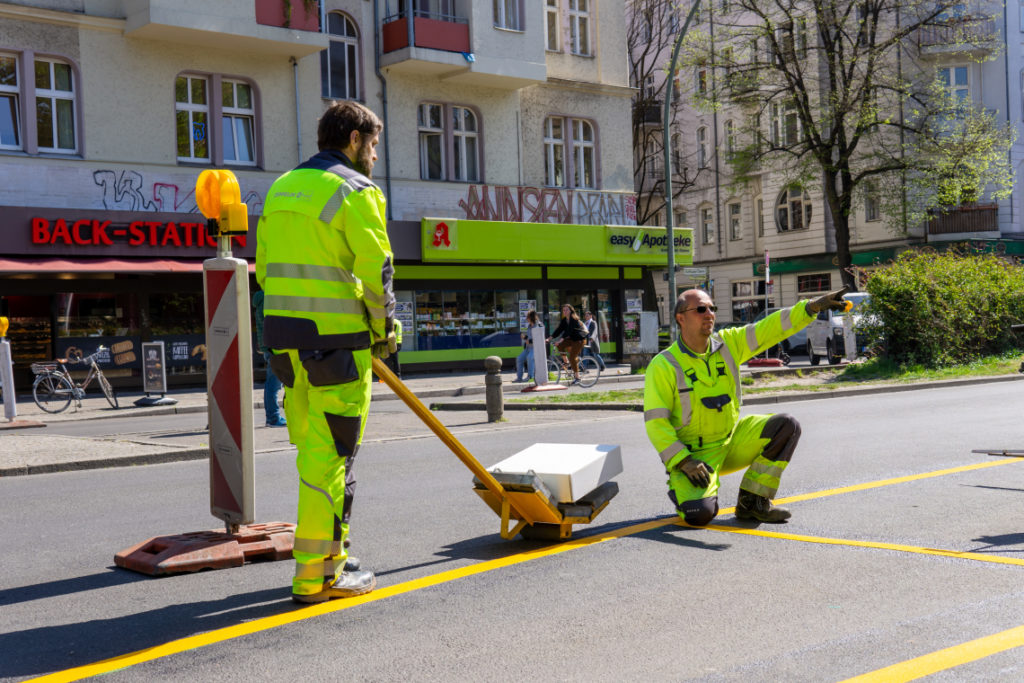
{"points": [[857, 580]]}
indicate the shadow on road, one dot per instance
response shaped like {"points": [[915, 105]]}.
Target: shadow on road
{"points": [[37, 651]]}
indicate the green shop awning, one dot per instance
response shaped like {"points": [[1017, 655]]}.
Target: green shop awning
{"points": [[450, 240]]}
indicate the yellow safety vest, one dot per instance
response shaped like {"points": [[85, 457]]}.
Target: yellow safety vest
{"points": [[691, 402], [323, 258]]}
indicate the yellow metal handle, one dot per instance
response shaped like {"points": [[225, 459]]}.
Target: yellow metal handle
{"points": [[435, 425]]}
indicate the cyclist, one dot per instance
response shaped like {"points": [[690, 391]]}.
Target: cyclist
{"points": [[570, 336]]}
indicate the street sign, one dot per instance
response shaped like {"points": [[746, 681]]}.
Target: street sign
{"points": [[696, 273]]}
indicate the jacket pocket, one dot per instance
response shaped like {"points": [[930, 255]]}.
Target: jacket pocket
{"points": [[334, 366]]}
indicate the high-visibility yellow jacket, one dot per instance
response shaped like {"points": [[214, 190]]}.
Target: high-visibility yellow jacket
{"points": [[323, 258], [398, 331], [693, 403]]}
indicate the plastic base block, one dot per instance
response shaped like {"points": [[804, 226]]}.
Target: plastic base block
{"points": [[214, 549], [765, 362]]}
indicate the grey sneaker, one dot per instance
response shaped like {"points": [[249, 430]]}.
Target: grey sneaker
{"points": [[348, 585]]}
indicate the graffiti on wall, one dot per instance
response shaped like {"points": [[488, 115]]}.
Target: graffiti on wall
{"points": [[548, 205], [129, 191]]}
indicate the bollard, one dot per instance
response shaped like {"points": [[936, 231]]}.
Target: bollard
{"points": [[492, 382], [7, 374]]}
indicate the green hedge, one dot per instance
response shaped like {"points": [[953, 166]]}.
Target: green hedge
{"points": [[944, 309]]}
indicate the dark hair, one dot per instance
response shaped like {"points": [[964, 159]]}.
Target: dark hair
{"points": [[341, 118], [531, 316]]}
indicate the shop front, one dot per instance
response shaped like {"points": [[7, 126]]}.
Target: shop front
{"points": [[73, 280]]}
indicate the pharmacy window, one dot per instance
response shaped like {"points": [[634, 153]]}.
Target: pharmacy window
{"points": [[39, 104]]}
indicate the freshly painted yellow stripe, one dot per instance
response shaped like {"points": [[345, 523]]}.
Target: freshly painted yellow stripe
{"points": [[980, 557], [912, 669], [229, 632]]}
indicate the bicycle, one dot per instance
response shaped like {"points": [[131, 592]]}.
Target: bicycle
{"points": [[54, 388], [559, 366]]}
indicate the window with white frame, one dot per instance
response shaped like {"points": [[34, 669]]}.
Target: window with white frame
{"points": [[681, 218], [578, 168], [785, 124], [192, 112], [339, 63], [956, 80], [507, 14], [55, 106], [792, 209], [197, 109], [10, 107], [579, 27], [707, 224], [735, 226], [465, 147], [554, 151], [238, 122], [551, 25], [450, 139], [431, 130], [583, 153], [730, 137], [702, 147]]}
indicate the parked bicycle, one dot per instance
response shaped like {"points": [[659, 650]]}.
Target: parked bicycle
{"points": [[54, 387], [560, 371]]}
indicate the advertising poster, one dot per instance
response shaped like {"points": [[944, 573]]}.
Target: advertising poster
{"points": [[118, 352], [525, 306], [154, 369]]}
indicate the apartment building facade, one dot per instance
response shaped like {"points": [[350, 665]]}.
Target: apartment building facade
{"points": [[739, 226], [498, 115]]}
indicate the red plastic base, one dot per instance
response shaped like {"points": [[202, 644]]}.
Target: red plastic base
{"points": [[551, 386], [765, 362], [214, 549]]}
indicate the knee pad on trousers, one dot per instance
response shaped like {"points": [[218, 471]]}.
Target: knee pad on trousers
{"points": [[783, 432], [696, 512]]}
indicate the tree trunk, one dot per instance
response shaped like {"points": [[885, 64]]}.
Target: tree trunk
{"points": [[841, 223]]}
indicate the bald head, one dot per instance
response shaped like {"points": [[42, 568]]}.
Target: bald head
{"points": [[691, 298]]}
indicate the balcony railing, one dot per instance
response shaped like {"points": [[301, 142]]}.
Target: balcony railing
{"points": [[432, 30], [978, 218], [960, 35]]}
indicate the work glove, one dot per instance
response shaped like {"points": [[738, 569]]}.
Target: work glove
{"points": [[697, 471], [833, 300], [385, 347]]}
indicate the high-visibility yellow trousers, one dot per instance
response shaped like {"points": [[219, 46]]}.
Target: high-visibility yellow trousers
{"points": [[326, 401]]}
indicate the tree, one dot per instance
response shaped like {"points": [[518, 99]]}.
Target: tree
{"points": [[843, 94], [651, 33]]}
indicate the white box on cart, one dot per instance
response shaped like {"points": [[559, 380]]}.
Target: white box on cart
{"points": [[569, 470]]}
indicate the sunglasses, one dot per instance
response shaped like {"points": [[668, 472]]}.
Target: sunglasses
{"points": [[701, 309]]}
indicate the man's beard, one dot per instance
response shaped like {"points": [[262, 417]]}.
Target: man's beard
{"points": [[364, 159]]}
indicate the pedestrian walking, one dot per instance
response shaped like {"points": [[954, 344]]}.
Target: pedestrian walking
{"points": [[271, 384]]}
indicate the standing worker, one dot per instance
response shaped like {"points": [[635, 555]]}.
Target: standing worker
{"points": [[324, 260], [271, 385], [392, 359], [692, 406]]}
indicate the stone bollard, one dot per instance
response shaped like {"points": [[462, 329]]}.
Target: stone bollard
{"points": [[492, 383]]}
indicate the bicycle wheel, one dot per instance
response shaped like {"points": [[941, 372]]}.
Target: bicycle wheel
{"points": [[52, 392], [554, 371], [108, 391], [590, 371]]}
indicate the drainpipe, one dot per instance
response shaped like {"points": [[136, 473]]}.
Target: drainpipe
{"points": [[1006, 63], [383, 103], [298, 117]]}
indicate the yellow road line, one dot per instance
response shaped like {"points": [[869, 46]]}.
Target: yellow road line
{"points": [[266, 623], [948, 658]]}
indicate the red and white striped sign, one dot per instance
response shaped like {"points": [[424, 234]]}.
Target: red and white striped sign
{"points": [[229, 389]]}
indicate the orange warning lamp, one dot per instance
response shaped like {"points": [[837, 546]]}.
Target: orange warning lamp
{"points": [[220, 199], [3, 327], [847, 305]]}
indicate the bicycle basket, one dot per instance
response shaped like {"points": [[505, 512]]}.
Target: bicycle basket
{"points": [[40, 368]]}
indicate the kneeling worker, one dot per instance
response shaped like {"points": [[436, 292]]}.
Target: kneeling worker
{"points": [[692, 410]]}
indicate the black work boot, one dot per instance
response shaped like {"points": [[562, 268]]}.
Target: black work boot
{"points": [[752, 506]]}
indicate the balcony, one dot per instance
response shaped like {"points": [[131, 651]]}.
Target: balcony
{"points": [[243, 25], [440, 45], [966, 35], [966, 219]]}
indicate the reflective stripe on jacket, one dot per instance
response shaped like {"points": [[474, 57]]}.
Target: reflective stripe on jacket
{"points": [[323, 258], [691, 403]]}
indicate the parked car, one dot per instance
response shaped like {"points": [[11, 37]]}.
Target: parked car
{"points": [[794, 345], [827, 336]]}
